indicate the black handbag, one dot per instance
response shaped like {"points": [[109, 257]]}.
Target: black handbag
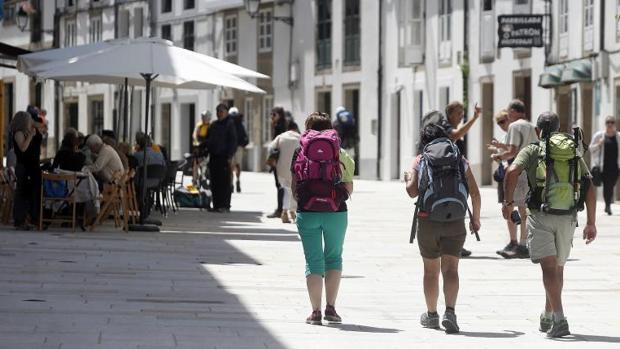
{"points": [[597, 176], [499, 173]]}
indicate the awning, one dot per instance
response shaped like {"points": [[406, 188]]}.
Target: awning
{"points": [[11, 52], [577, 71], [552, 76]]}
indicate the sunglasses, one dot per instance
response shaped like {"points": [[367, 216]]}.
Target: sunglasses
{"points": [[610, 122], [501, 122]]}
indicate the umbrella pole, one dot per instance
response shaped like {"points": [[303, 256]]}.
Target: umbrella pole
{"points": [[125, 111], [148, 78]]}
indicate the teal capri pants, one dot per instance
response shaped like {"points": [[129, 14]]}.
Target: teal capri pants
{"points": [[314, 227]]}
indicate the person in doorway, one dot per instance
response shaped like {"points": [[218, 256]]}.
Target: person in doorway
{"points": [[520, 134], [278, 126], [286, 143], [605, 148], [345, 124], [441, 243], [550, 234], [222, 144], [27, 136], [242, 142], [315, 225], [454, 128], [201, 130]]}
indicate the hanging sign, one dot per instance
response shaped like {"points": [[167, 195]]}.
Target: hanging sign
{"points": [[520, 31]]}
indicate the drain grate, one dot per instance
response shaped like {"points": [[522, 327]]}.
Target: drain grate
{"points": [[67, 262], [34, 300]]}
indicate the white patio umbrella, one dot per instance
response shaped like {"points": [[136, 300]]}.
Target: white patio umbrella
{"points": [[145, 61]]}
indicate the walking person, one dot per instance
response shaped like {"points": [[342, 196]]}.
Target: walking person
{"points": [[520, 134], [278, 126], [286, 144], [553, 219], [456, 130], [605, 148], [242, 142], [441, 240], [222, 144], [322, 211], [27, 137]]}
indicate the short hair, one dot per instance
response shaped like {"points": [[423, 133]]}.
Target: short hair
{"points": [[70, 138], [292, 126], [454, 105], [221, 108], [517, 105], [501, 115], [610, 118], [547, 123], [318, 121], [108, 133], [94, 140], [141, 139]]}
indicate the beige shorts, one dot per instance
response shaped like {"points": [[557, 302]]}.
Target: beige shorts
{"points": [[238, 158], [521, 190], [436, 239], [550, 235]]}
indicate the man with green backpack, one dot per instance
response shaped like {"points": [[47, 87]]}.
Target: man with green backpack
{"points": [[559, 184]]}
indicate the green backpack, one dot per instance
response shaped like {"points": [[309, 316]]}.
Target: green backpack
{"points": [[558, 187]]}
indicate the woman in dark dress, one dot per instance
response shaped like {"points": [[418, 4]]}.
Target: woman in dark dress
{"points": [[26, 140], [69, 157]]}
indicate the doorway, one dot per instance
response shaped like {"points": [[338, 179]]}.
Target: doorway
{"points": [[522, 90], [586, 113], [188, 122], [71, 115], [352, 103], [487, 132], [563, 101]]}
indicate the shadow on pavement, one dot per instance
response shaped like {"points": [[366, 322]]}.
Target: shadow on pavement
{"points": [[505, 334], [482, 258], [362, 328], [575, 337]]}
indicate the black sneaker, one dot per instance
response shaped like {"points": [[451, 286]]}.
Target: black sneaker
{"points": [[608, 210], [508, 251], [314, 318], [465, 252], [522, 252], [331, 316]]}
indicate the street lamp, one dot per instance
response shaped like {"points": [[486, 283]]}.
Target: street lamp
{"points": [[22, 18], [252, 8]]}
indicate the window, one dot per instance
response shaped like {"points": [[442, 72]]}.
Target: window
{"points": [[324, 102], [188, 4], [123, 24], [487, 32], [248, 111], [188, 35], [411, 32], [70, 3], [138, 22], [563, 28], [96, 29], [9, 13], [487, 5], [588, 25], [230, 35], [352, 32], [166, 32], [96, 110], [324, 34], [563, 16], [166, 6], [445, 30], [70, 33], [265, 31], [266, 119]]}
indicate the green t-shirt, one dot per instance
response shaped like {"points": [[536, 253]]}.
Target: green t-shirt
{"points": [[528, 158]]}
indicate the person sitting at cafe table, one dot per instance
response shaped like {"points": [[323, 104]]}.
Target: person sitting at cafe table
{"points": [[107, 162], [69, 156]]}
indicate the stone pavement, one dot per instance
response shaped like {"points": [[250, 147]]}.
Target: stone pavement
{"points": [[236, 281]]}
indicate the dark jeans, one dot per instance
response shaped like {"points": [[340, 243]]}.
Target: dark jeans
{"points": [[280, 189], [219, 169], [27, 195], [609, 181]]}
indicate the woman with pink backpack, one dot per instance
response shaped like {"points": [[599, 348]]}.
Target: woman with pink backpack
{"points": [[322, 182]]}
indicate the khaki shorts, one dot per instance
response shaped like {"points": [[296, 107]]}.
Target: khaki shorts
{"points": [[550, 235], [521, 190], [436, 239]]}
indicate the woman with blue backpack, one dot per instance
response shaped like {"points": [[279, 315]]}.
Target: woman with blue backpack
{"points": [[442, 180], [322, 182]]}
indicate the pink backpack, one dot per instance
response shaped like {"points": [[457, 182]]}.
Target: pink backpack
{"points": [[317, 168]]}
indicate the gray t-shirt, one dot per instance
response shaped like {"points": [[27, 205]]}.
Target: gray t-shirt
{"points": [[521, 133]]}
